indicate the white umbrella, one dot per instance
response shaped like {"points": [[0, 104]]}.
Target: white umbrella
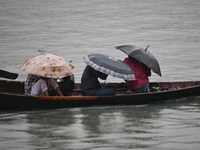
{"points": [[48, 65]]}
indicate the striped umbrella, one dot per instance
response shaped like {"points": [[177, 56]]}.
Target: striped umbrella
{"points": [[110, 66]]}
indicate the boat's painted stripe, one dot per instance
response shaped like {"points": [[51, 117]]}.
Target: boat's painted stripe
{"points": [[66, 97]]}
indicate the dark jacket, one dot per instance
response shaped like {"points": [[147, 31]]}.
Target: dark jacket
{"points": [[89, 80]]}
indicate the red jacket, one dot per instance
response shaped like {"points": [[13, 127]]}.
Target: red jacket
{"points": [[141, 72]]}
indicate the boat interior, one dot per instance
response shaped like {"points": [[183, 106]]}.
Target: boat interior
{"points": [[17, 87]]}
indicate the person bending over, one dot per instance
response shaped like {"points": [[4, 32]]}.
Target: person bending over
{"points": [[66, 85], [141, 72], [40, 88], [91, 86]]}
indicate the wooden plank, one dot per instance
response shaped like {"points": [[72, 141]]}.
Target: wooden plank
{"points": [[71, 98]]}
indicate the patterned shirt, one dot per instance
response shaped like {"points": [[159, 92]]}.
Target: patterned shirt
{"points": [[30, 81]]}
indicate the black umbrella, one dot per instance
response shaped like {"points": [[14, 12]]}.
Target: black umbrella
{"points": [[142, 55], [110, 66]]}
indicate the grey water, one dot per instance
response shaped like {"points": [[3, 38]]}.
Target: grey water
{"points": [[75, 28]]}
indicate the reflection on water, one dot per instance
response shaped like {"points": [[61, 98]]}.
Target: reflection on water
{"points": [[169, 125]]}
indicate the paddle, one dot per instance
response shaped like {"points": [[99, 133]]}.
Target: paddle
{"points": [[8, 75]]}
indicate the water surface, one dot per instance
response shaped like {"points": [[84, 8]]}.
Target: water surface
{"points": [[76, 28]]}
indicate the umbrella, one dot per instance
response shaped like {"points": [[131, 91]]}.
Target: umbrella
{"points": [[110, 66], [142, 55], [48, 65]]}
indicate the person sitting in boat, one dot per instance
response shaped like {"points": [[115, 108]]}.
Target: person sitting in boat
{"points": [[91, 86], [65, 84], [30, 81], [141, 72], [40, 88]]}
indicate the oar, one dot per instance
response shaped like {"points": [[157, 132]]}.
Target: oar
{"points": [[8, 75]]}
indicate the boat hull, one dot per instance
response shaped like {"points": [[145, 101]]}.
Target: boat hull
{"points": [[21, 102]]}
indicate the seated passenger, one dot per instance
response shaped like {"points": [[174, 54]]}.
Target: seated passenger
{"points": [[40, 88], [66, 85], [141, 72], [91, 86], [30, 81]]}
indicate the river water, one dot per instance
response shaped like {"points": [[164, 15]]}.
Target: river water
{"points": [[74, 28]]}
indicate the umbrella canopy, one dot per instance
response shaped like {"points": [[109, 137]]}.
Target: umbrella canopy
{"points": [[143, 56], [48, 65], [110, 66]]}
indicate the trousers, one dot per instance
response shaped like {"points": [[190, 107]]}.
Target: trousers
{"points": [[108, 90]]}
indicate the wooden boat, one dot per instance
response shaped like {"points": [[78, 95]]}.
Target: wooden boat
{"points": [[12, 97]]}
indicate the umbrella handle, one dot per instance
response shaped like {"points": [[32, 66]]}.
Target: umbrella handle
{"points": [[147, 48], [104, 83]]}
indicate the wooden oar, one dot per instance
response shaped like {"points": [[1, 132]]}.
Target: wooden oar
{"points": [[8, 75]]}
